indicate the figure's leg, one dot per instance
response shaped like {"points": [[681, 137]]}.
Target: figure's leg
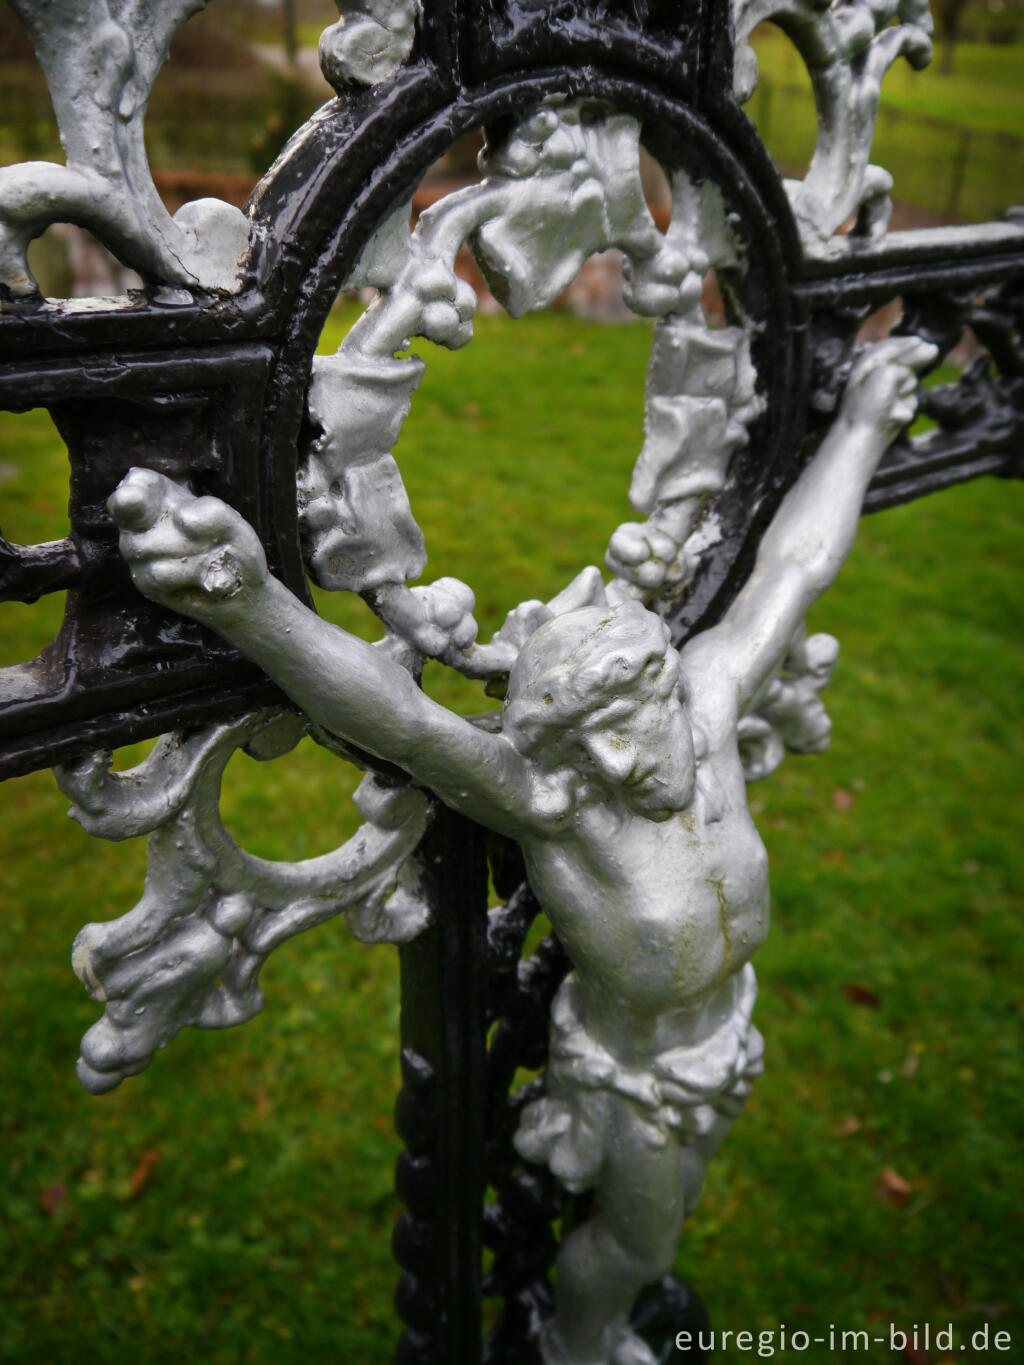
{"points": [[628, 1243], [694, 1158], [695, 1155]]}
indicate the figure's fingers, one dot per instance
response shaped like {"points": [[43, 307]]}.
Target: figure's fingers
{"points": [[162, 541], [138, 500], [167, 575], [464, 633], [910, 351], [907, 385], [914, 352], [444, 612], [206, 520], [430, 640]]}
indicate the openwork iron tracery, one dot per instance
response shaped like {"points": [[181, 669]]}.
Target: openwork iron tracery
{"points": [[207, 380]]}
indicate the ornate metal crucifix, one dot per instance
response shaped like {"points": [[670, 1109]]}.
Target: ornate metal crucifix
{"points": [[221, 462]]}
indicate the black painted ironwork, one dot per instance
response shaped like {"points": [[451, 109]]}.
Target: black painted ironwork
{"points": [[212, 390]]}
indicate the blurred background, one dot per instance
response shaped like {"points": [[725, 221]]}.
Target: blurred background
{"points": [[244, 74], [234, 1203]]}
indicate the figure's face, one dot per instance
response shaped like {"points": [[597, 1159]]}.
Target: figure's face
{"points": [[640, 746]]}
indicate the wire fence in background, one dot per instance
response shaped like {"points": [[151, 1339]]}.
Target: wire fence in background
{"points": [[237, 121], [941, 167], [224, 121]]}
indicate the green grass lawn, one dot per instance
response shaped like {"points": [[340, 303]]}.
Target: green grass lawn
{"points": [[260, 1234], [984, 89], [924, 118]]}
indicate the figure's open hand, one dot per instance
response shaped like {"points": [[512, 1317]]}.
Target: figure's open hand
{"points": [[191, 554], [882, 389]]}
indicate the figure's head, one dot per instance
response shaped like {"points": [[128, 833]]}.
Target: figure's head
{"points": [[598, 690]]}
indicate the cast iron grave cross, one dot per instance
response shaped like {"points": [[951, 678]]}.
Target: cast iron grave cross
{"points": [[216, 463]]}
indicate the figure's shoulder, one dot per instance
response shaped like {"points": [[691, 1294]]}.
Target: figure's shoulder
{"points": [[709, 689], [707, 650], [555, 799]]}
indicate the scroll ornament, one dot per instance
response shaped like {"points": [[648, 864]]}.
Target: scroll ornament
{"points": [[100, 59], [189, 953], [565, 184], [848, 48]]}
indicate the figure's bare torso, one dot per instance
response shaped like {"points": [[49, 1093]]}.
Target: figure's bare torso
{"points": [[657, 917]]}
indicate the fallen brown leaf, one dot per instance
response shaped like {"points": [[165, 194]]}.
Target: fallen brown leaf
{"points": [[953, 1295], [150, 1158], [847, 1127], [892, 1187], [787, 995], [862, 995], [51, 1198]]}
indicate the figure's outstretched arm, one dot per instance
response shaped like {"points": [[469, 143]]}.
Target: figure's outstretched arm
{"points": [[199, 557], [813, 531]]}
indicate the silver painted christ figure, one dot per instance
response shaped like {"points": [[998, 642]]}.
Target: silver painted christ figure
{"points": [[618, 769]]}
